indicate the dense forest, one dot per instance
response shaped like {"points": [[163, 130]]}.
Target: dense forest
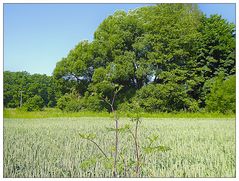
{"points": [[165, 58]]}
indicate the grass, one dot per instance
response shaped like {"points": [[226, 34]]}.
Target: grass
{"points": [[50, 113], [53, 112], [52, 147]]}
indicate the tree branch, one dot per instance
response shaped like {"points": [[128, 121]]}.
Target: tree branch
{"points": [[99, 148]]}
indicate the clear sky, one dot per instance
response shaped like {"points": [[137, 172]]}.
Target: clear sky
{"points": [[36, 36]]}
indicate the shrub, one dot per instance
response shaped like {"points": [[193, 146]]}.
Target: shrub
{"points": [[73, 103], [94, 103], [35, 103], [222, 95], [165, 98], [70, 103]]}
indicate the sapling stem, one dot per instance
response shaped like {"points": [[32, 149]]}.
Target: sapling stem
{"points": [[99, 148], [137, 149], [116, 128]]}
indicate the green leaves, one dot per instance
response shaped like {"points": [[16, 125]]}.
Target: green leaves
{"points": [[222, 95], [218, 45], [152, 138], [86, 164], [159, 148], [32, 85], [109, 164], [35, 103], [89, 136]]}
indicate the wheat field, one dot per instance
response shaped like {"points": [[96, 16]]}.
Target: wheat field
{"points": [[52, 147]]}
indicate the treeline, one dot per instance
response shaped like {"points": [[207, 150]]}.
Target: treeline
{"points": [[33, 91], [167, 57]]}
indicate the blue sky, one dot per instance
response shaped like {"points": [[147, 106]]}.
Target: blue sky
{"points": [[36, 36]]}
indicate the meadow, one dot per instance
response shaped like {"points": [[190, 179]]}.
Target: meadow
{"points": [[52, 147]]}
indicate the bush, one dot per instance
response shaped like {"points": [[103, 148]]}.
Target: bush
{"points": [[94, 103], [165, 98], [73, 103], [63, 101], [70, 103], [35, 103], [222, 95]]}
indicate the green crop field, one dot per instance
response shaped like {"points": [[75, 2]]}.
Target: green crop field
{"points": [[52, 147]]}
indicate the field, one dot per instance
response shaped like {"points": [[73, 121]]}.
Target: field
{"points": [[52, 147]]}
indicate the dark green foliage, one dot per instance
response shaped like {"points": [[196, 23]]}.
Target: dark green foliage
{"points": [[149, 148], [222, 96], [94, 103], [76, 70], [165, 98], [31, 85], [70, 102], [35, 103], [14, 82], [217, 51]]}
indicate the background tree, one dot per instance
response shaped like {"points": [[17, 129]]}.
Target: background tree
{"points": [[174, 47], [42, 85], [75, 71], [216, 53]]}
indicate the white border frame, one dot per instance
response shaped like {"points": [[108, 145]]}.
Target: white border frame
{"points": [[110, 1]]}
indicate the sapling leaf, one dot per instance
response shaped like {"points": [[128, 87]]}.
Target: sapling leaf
{"points": [[110, 129], [89, 136], [147, 149], [86, 164], [120, 166], [83, 136], [118, 88], [152, 139], [112, 148], [162, 148], [125, 128], [108, 164]]}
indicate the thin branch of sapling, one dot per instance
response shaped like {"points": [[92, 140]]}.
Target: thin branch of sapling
{"points": [[116, 127], [137, 148], [116, 145], [116, 134], [125, 165], [98, 146]]}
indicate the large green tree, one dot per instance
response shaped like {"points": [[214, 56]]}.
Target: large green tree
{"points": [[216, 53], [161, 55]]}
